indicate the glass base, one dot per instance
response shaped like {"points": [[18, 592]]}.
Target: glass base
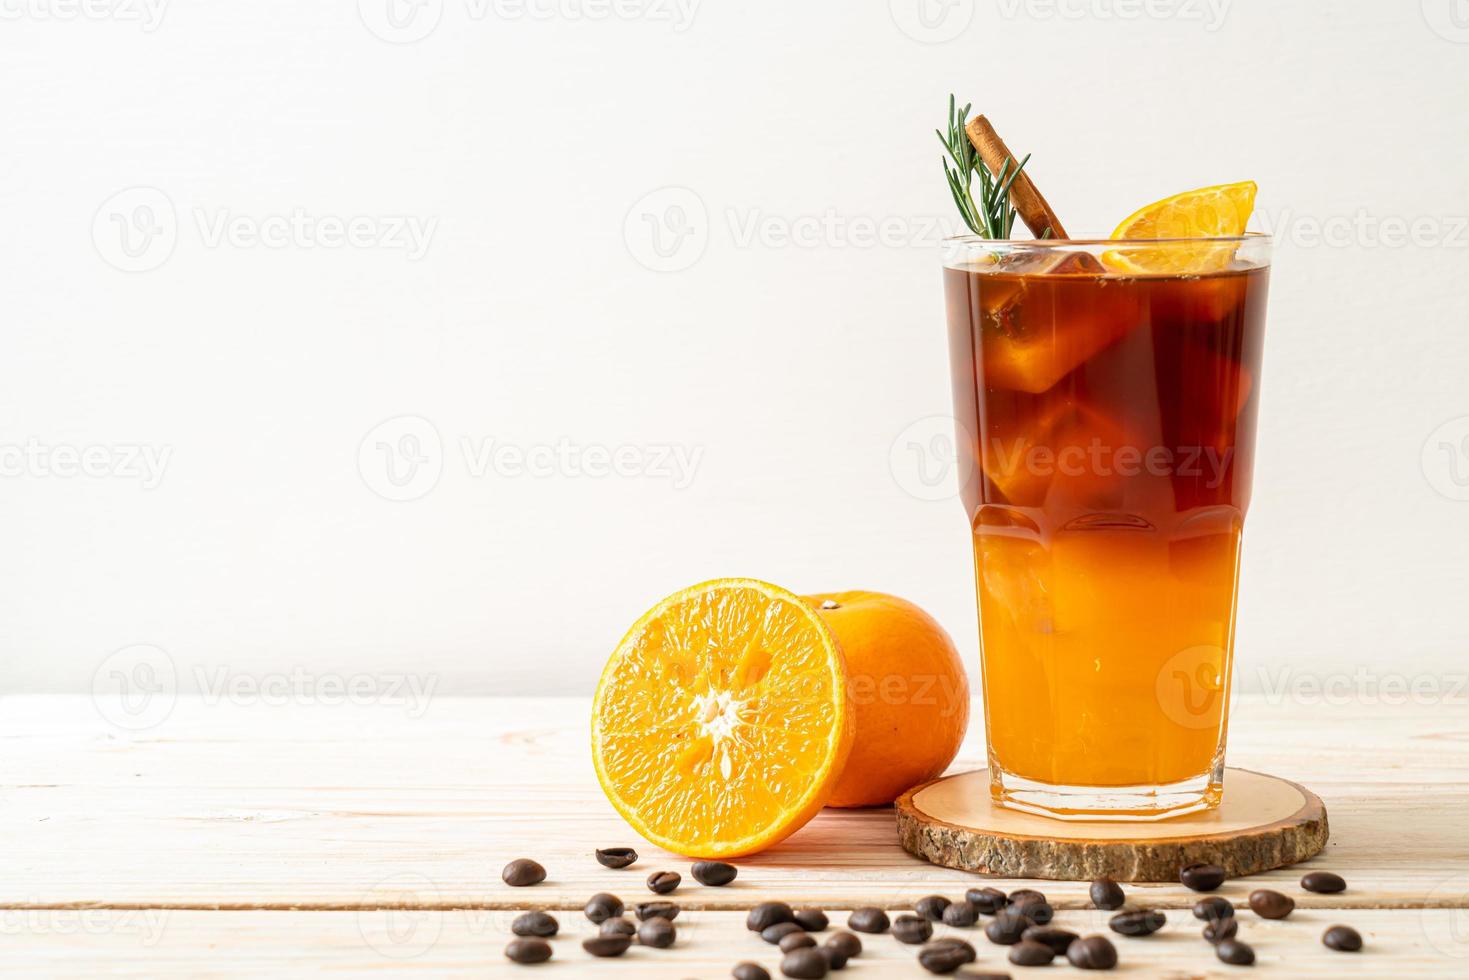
{"points": [[1107, 803]]}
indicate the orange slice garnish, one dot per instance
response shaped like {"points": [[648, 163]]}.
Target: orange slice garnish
{"points": [[1209, 212], [722, 722]]}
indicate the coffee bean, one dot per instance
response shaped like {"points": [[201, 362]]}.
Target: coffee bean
{"points": [[804, 964], [1138, 922], [663, 882], [1026, 953], [1106, 894], [618, 927], [795, 940], [1269, 904], [1235, 953], [1217, 932], [1057, 939], [849, 944], [774, 934], [616, 857], [1006, 928], [1213, 908], [1324, 883], [607, 945], [602, 906], [835, 958], [1202, 877], [522, 872], [749, 971], [1343, 939], [912, 929], [657, 932], [659, 910], [1037, 910], [767, 914], [714, 873], [528, 951], [945, 956], [534, 924], [960, 915], [812, 920], [931, 907], [868, 919], [1092, 953], [986, 901], [1026, 895]]}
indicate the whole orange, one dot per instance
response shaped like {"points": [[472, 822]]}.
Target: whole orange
{"points": [[908, 686]]}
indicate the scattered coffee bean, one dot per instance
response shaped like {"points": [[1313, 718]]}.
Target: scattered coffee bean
{"points": [[534, 924], [868, 919], [714, 873], [1324, 883], [812, 920], [602, 906], [607, 945], [1343, 939], [912, 929], [657, 932], [1213, 908], [663, 882], [767, 914], [795, 940], [931, 907], [1217, 932], [835, 958], [528, 951], [945, 955], [1092, 953], [619, 927], [1107, 895], [1006, 928], [522, 872], [1269, 904], [1057, 939], [849, 944], [1202, 877], [616, 857], [1026, 895], [660, 910], [774, 934], [749, 971], [1235, 953], [1138, 922], [986, 901], [1037, 910], [1026, 953], [804, 964], [960, 915]]}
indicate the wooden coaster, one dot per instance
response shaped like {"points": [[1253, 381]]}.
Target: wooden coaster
{"points": [[1263, 822]]}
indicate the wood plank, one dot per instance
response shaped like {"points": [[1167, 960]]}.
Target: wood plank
{"points": [[249, 805], [178, 943]]}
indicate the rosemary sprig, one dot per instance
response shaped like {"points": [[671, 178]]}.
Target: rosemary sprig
{"points": [[991, 215]]}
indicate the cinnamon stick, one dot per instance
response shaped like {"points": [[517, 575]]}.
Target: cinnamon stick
{"points": [[1027, 200]]}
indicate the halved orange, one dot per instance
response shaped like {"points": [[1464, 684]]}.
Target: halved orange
{"points": [[1221, 211], [722, 721]]}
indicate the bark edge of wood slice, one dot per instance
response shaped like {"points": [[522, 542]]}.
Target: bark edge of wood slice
{"points": [[1264, 822]]}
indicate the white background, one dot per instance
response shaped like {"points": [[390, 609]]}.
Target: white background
{"points": [[529, 138]]}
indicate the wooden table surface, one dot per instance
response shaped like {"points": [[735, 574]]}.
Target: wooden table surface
{"points": [[235, 838]]}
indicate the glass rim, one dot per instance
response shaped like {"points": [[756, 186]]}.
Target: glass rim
{"points": [[1259, 237]]}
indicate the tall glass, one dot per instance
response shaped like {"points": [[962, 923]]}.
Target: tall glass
{"points": [[1106, 395]]}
